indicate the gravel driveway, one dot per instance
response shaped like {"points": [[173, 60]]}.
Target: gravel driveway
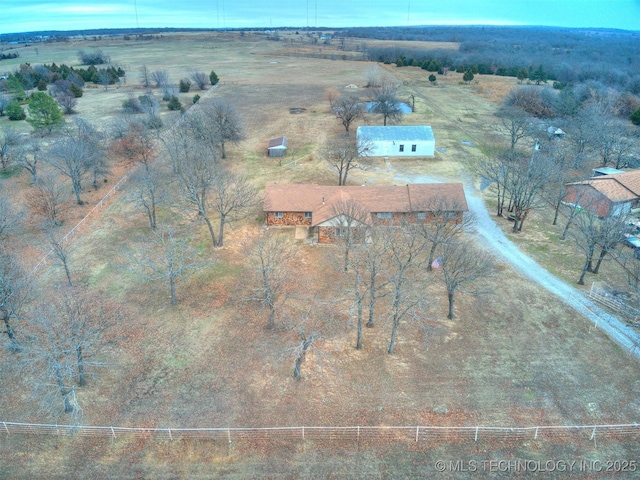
{"points": [[487, 229]]}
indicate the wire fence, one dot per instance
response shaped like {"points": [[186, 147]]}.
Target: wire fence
{"points": [[415, 434], [118, 186]]}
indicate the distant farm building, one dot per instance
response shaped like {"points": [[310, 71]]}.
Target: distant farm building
{"points": [[615, 194], [398, 141], [326, 211], [277, 147]]}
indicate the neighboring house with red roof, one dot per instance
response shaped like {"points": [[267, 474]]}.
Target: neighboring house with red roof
{"points": [[328, 210], [606, 195]]}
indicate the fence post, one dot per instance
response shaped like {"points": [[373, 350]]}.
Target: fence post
{"points": [[476, 438], [229, 435], [535, 437], [303, 433], [113, 432], [593, 436], [358, 435], [170, 436], [5, 427], [417, 433]]}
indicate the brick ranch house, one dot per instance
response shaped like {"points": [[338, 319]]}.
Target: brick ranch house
{"points": [[325, 211], [604, 195]]}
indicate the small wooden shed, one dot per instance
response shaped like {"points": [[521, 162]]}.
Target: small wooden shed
{"points": [[277, 147]]}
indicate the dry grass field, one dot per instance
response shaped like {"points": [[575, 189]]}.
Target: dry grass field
{"points": [[515, 357]]}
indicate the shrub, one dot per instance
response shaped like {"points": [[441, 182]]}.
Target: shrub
{"points": [[93, 58], [174, 103], [15, 111], [635, 117], [196, 97], [76, 90], [132, 105], [185, 86], [154, 122]]}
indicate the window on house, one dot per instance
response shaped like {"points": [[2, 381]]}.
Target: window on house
{"points": [[307, 214], [413, 148], [422, 215], [384, 215], [278, 214], [402, 148], [341, 231]]}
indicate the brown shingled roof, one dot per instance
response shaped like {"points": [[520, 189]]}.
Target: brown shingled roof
{"points": [[320, 199], [618, 187], [277, 142]]}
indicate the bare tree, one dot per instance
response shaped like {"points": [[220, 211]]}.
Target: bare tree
{"points": [[28, 158], [462, 265], [145, 76], [404, 255], [443, 222], [10, 217], [72, 156], [136, 142], [344, 154], [164, 256], [269, 262], [66, 336], [9, 143], [194, 167], [350, 221], [199, 78], [495, 172], [95, 140], [348, 109], [525, 183], [611, 235], [49, 196], [104, 78], [160, 78], [67, 101], [306, 341], [58, 244], [311, 320], [373, 76], [514, 123], [233, 198], [149, 190], [386, 103], [590, 231], [225, 124], [14, 290]]}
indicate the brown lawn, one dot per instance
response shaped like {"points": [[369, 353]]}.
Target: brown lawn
{"points": [[515, 357]]}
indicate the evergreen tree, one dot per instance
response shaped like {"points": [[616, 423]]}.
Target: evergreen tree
{"points": [[635, 117], [15, 88], [522, 74], [44, 112], [538, 75], [213, 78], [468, 76], [174, 103], [15, 111]]}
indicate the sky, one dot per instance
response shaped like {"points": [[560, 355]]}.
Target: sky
{"points": [[36, 15]]}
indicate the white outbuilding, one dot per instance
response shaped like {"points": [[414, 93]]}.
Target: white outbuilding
{"points": [[398, 140]]}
